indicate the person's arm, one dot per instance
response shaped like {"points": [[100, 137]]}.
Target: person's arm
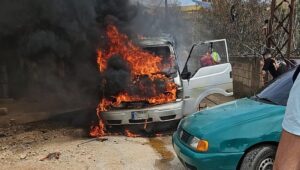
{"points": [[266, 65], [288, 152]]}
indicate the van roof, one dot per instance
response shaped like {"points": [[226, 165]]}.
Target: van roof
{"points": [[157, 41]]}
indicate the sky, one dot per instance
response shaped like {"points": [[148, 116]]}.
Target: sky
{"points": [[187, 2], [180, 2]]}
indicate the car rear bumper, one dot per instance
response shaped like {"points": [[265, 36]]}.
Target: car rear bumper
{"points": [[195, 160], [161, 113]]}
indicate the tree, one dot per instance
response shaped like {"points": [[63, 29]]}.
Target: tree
{"points": [[240, 22]]}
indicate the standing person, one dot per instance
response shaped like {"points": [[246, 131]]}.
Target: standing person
{"points": [[270, 65], [216, 57], [288, 153], [211, 57], [206, 59]]}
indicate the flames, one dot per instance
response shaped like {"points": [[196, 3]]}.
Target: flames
{"points": [[130, 134], [142, 63]]}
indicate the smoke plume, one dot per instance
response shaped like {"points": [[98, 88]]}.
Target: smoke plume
{"points": [[49, 46]]}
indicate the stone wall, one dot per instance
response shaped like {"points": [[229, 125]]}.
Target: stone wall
{"points": [[247, 77]]}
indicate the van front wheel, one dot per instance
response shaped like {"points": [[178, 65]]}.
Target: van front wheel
{"points": [[213, 100]]}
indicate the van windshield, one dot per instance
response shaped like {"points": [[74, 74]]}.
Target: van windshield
{"points": [[168, 65]]}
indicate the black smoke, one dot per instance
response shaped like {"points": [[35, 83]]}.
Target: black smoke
{"points": [[117, 76], [49, 46], [117, 79]]}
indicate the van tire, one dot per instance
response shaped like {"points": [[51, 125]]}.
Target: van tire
{"points": [[213, 100], [259, 158], [207, 102]]}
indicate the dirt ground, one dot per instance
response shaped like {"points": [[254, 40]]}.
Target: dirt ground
{"points": [[24, 147]]}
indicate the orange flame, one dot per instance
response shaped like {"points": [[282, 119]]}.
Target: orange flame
{"points": [[98, 130], [130, 134], [141, 63]]}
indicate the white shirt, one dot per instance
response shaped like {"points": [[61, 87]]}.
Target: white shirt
{"points": [[291, 122]]}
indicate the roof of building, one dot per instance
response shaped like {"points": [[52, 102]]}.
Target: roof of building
{"points": [[190, 8]]}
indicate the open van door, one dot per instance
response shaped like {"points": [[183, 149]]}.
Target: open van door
{"points": [[207, 71]]}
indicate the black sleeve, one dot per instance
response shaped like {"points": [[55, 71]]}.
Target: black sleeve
{"points": [[296, 73], [267, 64]]}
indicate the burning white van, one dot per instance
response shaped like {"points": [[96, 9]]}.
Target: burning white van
{"points": [[157, 91]]}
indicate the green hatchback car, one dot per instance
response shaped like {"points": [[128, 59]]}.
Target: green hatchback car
{"points": [[242, 134]]}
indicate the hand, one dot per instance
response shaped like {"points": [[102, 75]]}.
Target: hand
{"points": [[276, 65]]}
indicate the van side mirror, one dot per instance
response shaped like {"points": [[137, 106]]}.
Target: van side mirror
{"points": [[176, 67], [186, 75]]}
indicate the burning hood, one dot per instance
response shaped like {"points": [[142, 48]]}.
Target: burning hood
{"points": [[141, 72], [131, 74]]}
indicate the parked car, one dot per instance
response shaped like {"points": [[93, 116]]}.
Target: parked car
{"points": [[242, 134], [194, 83]]}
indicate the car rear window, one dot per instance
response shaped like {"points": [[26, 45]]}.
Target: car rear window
{"points": [[278, 90]]}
